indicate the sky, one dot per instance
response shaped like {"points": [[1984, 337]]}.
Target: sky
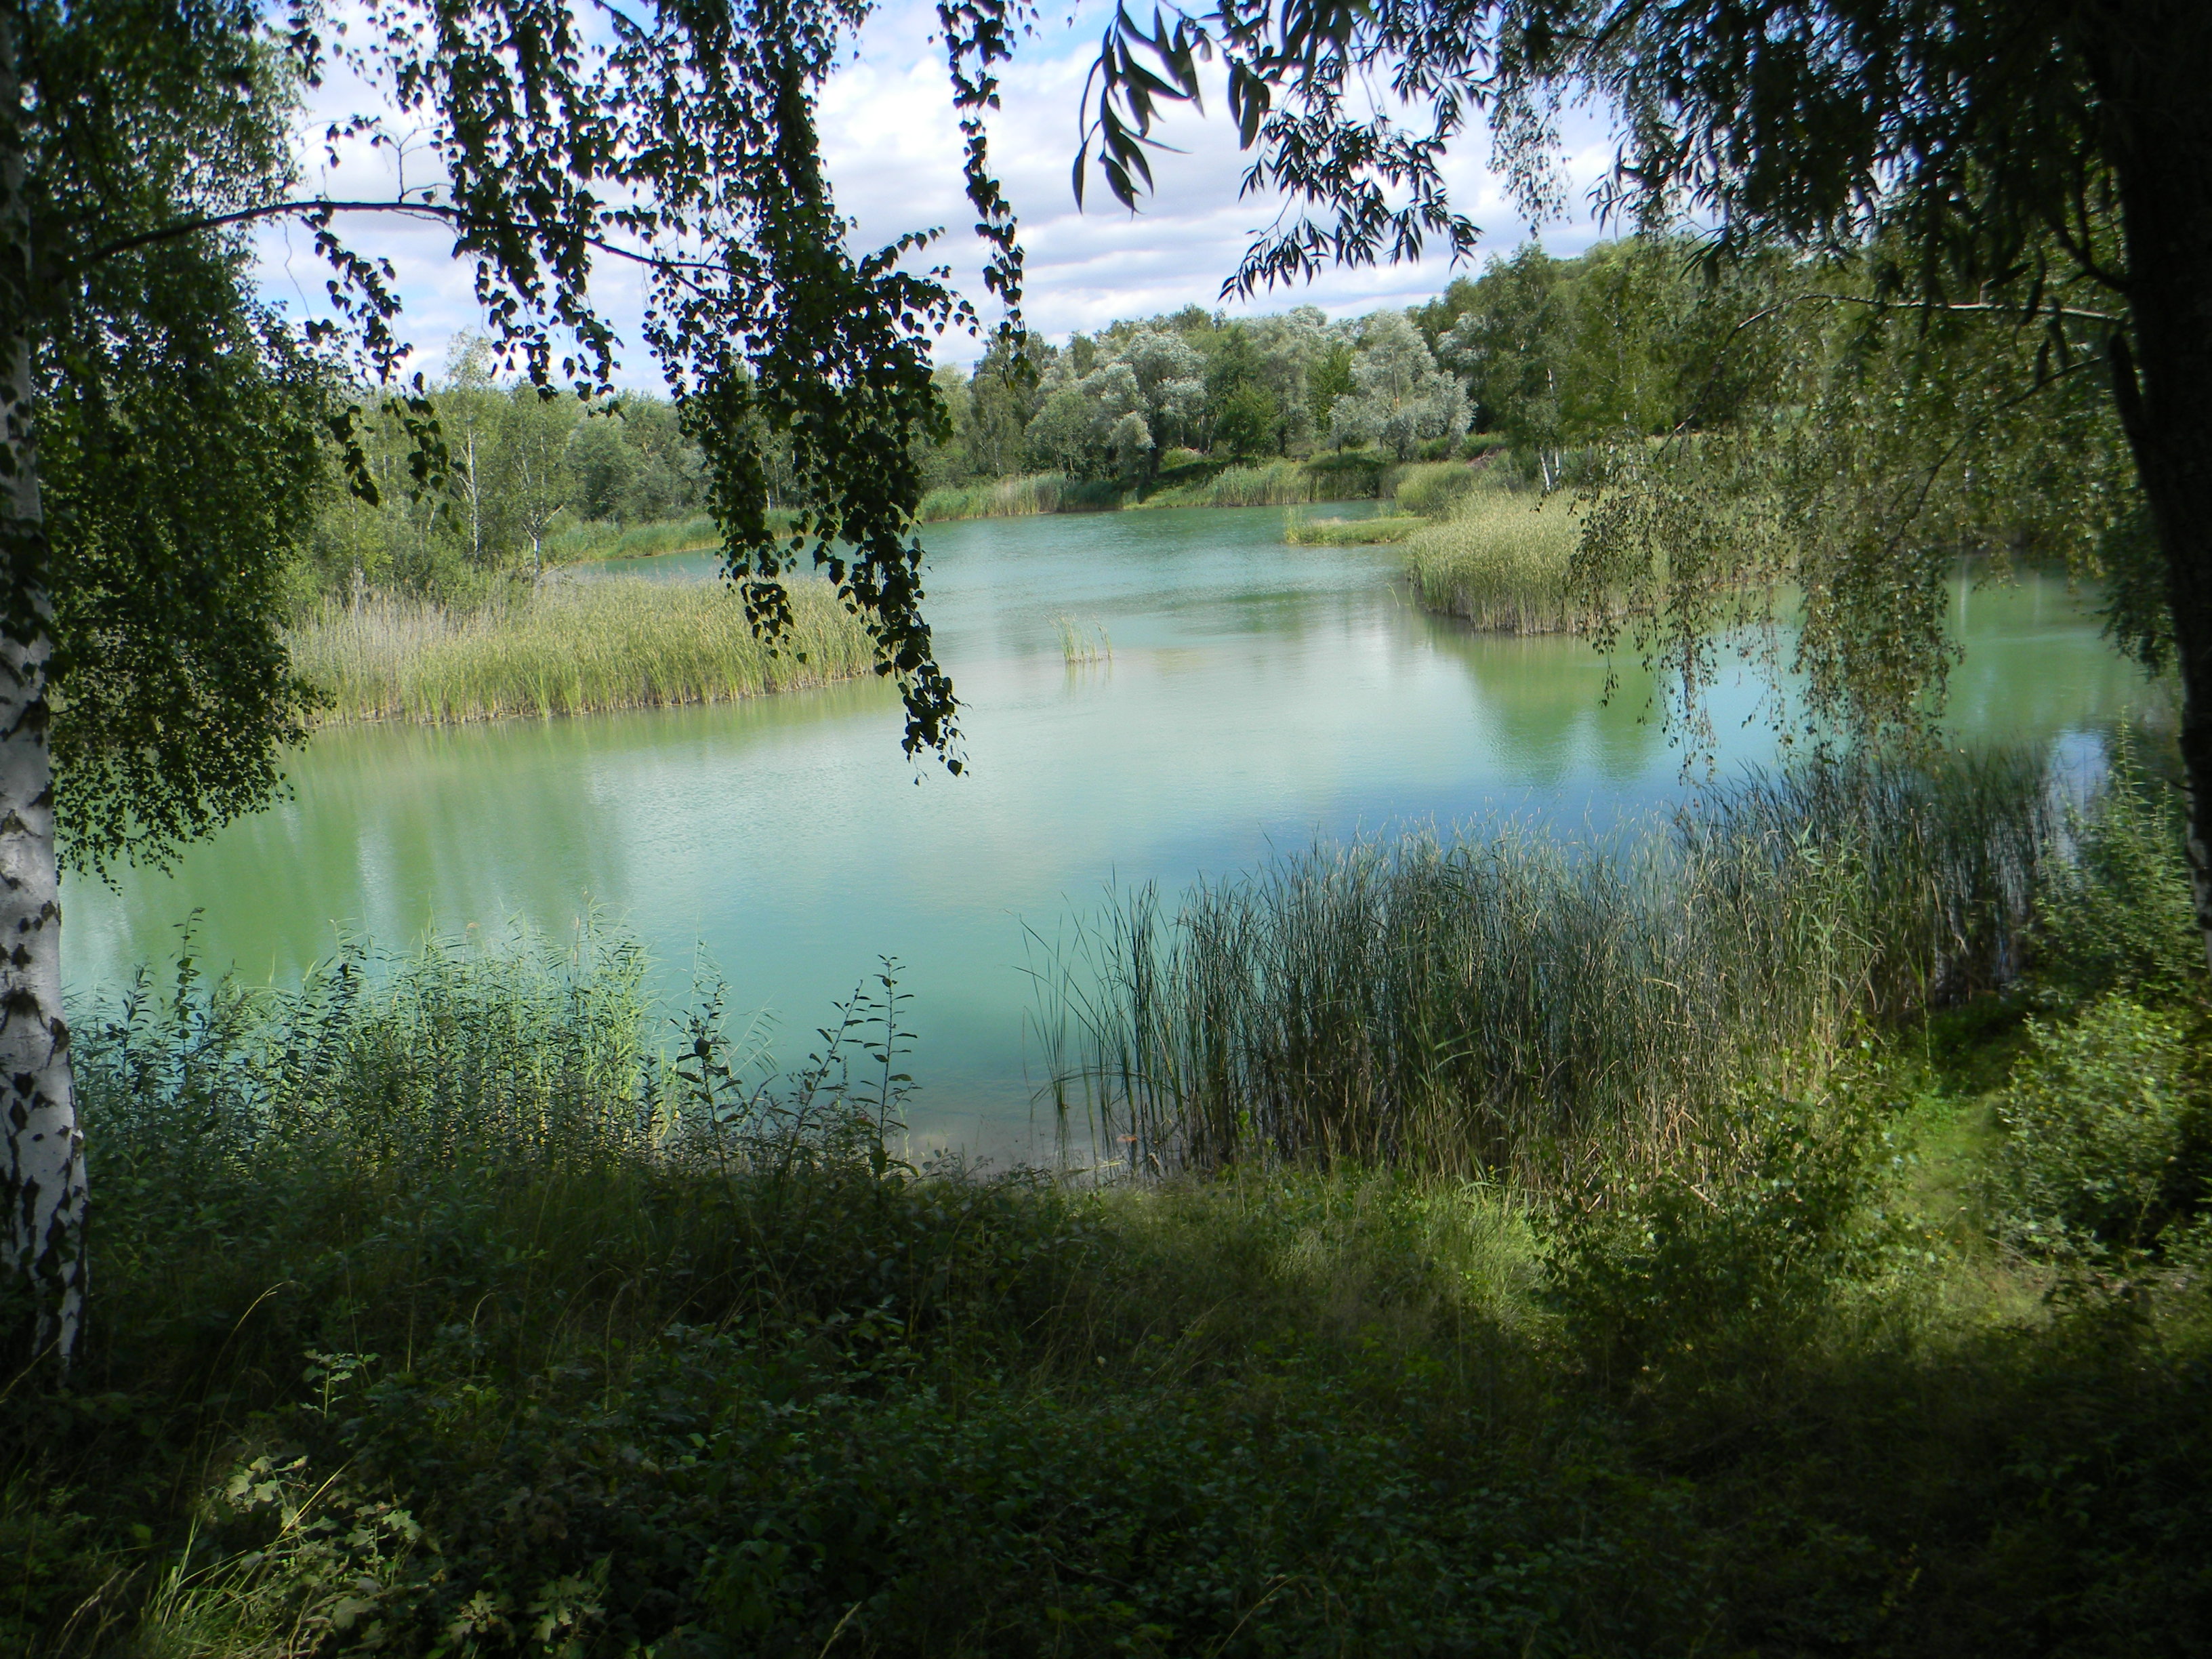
{"points": [[891, 144]]}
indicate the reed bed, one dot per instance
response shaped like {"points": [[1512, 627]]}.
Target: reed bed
{"points": [[1018, 498], [1300, 531], [1517, 999], [600, 540], [1278, 483], [1501, 562], [567, 648], [1431, 489]]}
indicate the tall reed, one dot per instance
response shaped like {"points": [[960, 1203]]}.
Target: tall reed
{"points": [[567, 648], [1430, 490], [1300, 531], [597, 540], [1517, 998], [1501, 562], [1278, 483], [1017, 498]]}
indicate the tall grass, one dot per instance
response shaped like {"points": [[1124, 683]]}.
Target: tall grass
{"points": [[1016, 498], [1300, 531], [1278, 483], [1501, 562], [1514, 999], [1274, 484], [1083, 642], [566, 648], [598, 539], [1430, 490]]}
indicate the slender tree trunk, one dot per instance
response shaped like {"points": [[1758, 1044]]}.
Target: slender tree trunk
{"points": [[42, 1182], [2157, 81]]}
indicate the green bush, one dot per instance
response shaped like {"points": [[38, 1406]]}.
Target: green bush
{"points": [[2105, 1132], [2118, 915], [1748, 1235]]}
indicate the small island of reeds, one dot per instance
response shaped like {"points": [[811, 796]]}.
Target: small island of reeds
{"points": [[565, 648]]}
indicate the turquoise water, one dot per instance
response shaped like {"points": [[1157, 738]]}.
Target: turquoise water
{"points": [[1258, 695]]}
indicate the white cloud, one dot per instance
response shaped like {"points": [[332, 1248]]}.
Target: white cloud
{"points": [[892, 149]]}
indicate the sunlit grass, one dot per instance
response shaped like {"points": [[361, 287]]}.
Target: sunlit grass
{"points": [[567, 648], [1018, 498], [1083, 642], [601, 540], [1301, 531]]}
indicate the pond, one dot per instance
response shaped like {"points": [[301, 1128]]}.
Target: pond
{"points": [[1257, 695]]}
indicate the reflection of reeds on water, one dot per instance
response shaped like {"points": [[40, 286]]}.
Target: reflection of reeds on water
{"points": [[1083, 642], [1516, 1000], [568, 648]]}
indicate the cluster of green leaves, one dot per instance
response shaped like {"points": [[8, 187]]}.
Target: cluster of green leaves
{"points": [[1842, 460], [2106, 1157], [524, 469]]}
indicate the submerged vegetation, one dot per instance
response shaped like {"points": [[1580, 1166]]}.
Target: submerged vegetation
{"points": [[566, 648], [465, 1303]]}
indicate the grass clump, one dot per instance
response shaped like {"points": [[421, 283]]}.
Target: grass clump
{"points": [[1501, 562], [1021, 497], [1083, 643], [566, 648], [1431, 489], [1274, 484]]}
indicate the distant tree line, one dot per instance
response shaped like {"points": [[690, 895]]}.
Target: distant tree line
{"points": [[1548, 353], [1544, 356]]}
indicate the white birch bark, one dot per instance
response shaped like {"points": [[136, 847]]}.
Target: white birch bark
{"points": [[42, 1172]]}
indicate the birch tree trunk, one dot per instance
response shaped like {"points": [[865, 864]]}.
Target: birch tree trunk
{"points": [[42, 1181]]}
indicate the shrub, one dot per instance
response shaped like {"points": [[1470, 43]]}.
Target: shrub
{"points": [[2118, 915], [1749, 1233], [2105, 1132]]}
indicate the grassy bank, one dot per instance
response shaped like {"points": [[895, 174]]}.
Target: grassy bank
{"points": [[459, 1305], [1019, 498], [1499, 560], [566, 648], [1301, 530]]}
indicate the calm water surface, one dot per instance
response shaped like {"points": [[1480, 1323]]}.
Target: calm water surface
{"points": [[1259, 695]]}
